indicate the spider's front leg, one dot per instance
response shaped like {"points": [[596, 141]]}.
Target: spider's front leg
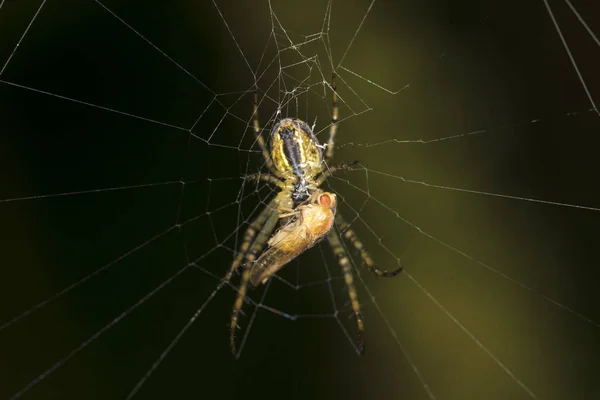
{"points": [[260, 176], [329, 171], [288, 212], [259, 138], [334, 120]]}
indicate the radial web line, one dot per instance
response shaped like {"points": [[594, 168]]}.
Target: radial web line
{"points": [[112, 189], [171, 345], [462, 135], [325, 33], [582, 21], [154, 46], [375, 84], [506, 196], [568, 50], [22, 36], [356, 33], [473, 338], [85, 103], [234, 39]]}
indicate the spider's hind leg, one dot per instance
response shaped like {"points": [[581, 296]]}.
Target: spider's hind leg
{"points": [[350, 235], [255, 226], [264, 224], [338, 249]]}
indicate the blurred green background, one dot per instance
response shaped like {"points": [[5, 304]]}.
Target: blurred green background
{"points": [[504, 268]]}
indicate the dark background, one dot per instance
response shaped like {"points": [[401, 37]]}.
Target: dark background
{"points": [[493, 66]]}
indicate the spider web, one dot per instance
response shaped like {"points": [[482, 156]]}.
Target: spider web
{"points": [[124, 198]]}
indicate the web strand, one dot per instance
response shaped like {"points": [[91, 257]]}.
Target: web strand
{"points": [[85, 103], [22, 36], [480, 192], [162, 53], [568, 50], [113, 189], [582, 21]]}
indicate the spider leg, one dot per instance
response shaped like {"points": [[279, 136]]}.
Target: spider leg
{"points": [[267, 178], [335, 242], [255, 226], [289, 214], [260, 140], [350, 235], [326, 173], [334, 119], [269, 217], [287, 209], [237, 307]]}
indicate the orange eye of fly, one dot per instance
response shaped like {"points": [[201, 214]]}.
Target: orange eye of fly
{"points": [[324, 199]]}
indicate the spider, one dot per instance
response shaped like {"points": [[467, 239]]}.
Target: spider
{"points": [[297, 167]]}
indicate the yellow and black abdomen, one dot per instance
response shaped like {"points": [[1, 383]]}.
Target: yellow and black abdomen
{"points": [[294, 148]]}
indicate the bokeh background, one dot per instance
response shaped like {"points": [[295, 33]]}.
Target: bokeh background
{"points": [[497, 265]]}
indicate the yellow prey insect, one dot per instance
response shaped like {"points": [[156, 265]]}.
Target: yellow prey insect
{"points": [[296, 165], [313, 221]]}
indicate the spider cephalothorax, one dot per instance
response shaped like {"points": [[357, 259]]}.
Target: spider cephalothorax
{"points": [[304, 212]]}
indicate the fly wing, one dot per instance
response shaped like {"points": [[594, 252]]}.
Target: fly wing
{"points": [[287, 244], [271, 261]]}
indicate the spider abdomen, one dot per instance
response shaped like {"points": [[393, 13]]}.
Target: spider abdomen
{"points": [[294, 148]]}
